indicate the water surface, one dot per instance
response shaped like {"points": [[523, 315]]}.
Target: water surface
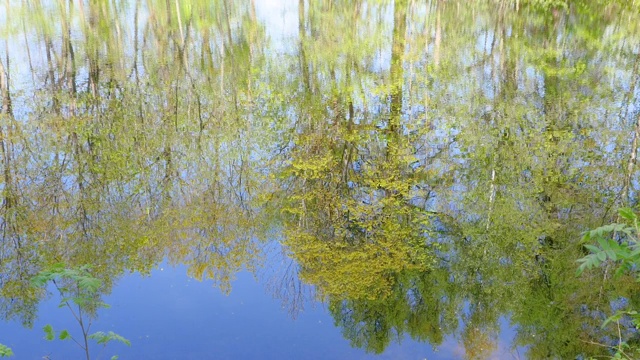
{"points": [[322, 179]]}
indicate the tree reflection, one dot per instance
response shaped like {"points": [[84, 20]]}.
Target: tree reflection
{"points": [[428, 166]]}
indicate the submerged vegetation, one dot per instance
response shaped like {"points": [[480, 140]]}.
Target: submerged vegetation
{"points": [[429, 167]]}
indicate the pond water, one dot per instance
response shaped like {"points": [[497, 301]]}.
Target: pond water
{"points": [[315, 179]]}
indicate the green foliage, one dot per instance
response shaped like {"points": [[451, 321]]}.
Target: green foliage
{"points": [[102, 338], [5, 351], [620, 314], [615, 242], [64, 335], [77, 287], [80, 275], [547, 5], [384, 167], [49, 333]]}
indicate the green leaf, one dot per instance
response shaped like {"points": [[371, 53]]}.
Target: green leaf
{"points": [[635, 252], [607, 229], [5, 351], [593, 249], [81, 301], [581, 269], [590, 261], [103, 305], [48, 331], [89, 283], [627, 214], [619, 271], [64, 301], [102, 338], [616, 317], [604, 244], [64, 334], [114, 357], [39, 280]]}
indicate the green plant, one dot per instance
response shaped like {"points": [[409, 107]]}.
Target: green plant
{"points": [[5, 351], [78, 291], [618, 244]]}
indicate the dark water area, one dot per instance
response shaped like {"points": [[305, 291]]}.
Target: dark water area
{"points": [[318, 179]]}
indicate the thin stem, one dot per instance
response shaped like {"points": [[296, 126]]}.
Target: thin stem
{"points": [[607, 346], [84, 331], [619, 338], [65, 302], [78, 318], [75, 341]]}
